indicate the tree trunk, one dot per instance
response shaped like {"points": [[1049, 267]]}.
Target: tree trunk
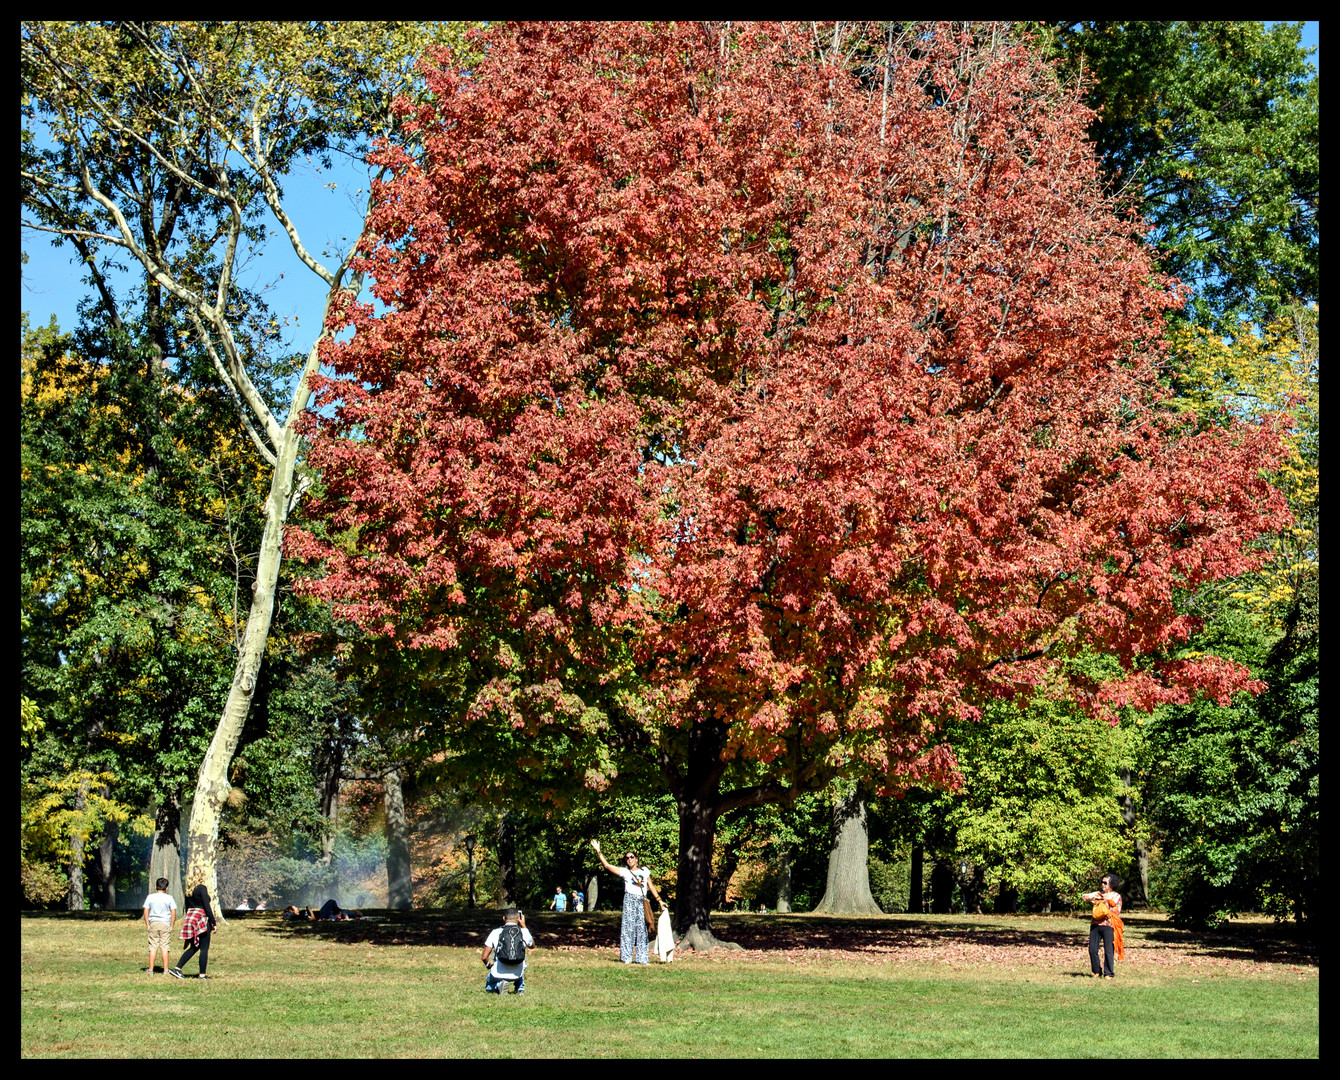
{"points": [[974, 887], [74, 898], [730, 860], [693, 899], [328, 794], [697, 800], [1007, 902], [784, 880], [165, 851], [916, 890], [400, 886], [506, 861], [592, 891], [942, 887], [104, 867], [1137, 888], [212, 787], [848, 890]]}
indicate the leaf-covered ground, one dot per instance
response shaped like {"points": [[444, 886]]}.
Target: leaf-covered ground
{"points": [[1022, 945]]}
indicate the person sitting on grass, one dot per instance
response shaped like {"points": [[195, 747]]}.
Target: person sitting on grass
{"points": [[505, 954]]}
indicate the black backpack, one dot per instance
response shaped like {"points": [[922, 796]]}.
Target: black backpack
{"points": [[511, 945]]}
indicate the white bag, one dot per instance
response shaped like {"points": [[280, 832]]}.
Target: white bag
{"points": [[665, 938]]}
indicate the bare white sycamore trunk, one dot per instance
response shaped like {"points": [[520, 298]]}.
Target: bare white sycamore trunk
{"points": [[212, 788]]}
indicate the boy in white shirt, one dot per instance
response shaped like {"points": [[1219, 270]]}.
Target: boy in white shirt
{"points": [[502, 972], [160, 916]]}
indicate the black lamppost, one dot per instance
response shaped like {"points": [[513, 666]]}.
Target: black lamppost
{"points": [[963, 883], [470, 850]]}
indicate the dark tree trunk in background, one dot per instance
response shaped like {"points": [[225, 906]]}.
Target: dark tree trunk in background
{"points": [[942, 887], [330, 779], [915, 889], [165, 850], [721, 879], [506, 861], [104, 866], [784, 880], [1008, 901], [74, 898], [974, 887], [592, 891], [399, 883], [848, 891], [1137, 886]]}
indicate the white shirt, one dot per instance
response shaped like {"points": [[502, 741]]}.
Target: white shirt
{"points": [[161, 907], [242, 907], [499, 970], [635, 881]]}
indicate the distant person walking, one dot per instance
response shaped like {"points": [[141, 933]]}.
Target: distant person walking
{"points": [[1106, 928], [560, 899], [636, 884], [196, 928]]}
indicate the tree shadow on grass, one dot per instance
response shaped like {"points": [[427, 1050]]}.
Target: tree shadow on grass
{"points": [[1263, 943], [600, 930], [1251, 942]]}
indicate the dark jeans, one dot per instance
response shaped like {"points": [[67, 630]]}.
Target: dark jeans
{"points": [[191, 951], [1101, 933]]}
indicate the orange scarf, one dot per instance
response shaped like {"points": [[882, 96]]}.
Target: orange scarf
{"points": [[1114, 920]]}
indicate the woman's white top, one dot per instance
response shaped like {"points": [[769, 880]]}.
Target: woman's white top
{"points": [[635, 881]]}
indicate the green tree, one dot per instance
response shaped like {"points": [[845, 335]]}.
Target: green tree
{"points": [[1233, 791], [170, 144], [132, 517], [1038, 810], [1215, 127]]}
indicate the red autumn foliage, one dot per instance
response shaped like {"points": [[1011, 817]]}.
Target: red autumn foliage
{"points": [[835, 390]]}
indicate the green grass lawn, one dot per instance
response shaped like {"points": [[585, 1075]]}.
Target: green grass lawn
{"points": [[807, 986]]}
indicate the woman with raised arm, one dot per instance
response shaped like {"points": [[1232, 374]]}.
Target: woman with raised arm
{"points": [[636, 885]]}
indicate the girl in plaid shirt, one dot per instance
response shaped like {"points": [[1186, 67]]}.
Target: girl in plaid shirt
{"points": [[196, 928]]}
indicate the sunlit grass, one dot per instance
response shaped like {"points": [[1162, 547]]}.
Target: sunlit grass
{"points": [[412, 986]]}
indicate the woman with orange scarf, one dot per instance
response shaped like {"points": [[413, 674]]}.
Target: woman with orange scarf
{"points": [[1106, 927]]}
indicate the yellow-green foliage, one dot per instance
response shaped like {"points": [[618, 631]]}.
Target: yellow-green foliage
{"points": [[58, 815], [1251, 376]]}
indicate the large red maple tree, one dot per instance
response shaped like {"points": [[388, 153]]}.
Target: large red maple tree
{"points": [[807, 380]]}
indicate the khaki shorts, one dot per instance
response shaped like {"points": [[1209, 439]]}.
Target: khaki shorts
{"points": [[160, 936]]}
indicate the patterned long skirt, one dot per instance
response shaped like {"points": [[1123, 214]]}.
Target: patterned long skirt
{"points": [[633, 932]]}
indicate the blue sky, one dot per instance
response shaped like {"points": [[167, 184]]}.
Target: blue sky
{"points": [[327, 207]]}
